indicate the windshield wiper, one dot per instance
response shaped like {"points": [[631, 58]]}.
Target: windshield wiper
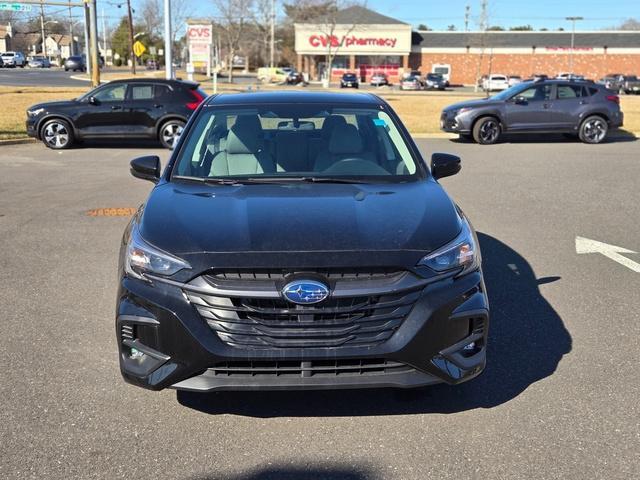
{"points": [[258, 180], [303, 180]]}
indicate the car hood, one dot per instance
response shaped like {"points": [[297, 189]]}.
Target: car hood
{"points": [[342, 220], [54, 105], [470, 103]]}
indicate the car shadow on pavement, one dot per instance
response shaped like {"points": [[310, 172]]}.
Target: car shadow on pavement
{"points": [[527, 340], [131, 143], [302, 472], [619, 136]]}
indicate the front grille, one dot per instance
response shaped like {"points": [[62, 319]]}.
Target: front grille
{"points": [[323, 368], [330, 274], [268, 323]]}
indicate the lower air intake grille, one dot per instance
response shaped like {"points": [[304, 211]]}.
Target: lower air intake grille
{"points": [[324, 368]]}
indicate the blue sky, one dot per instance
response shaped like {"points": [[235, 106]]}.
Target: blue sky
{"points": [[438, 14]]}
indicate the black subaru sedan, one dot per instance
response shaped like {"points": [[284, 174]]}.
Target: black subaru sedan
{"points": [[299, 241]]}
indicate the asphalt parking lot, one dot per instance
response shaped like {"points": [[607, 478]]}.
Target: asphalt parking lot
{"points": [[559, 398]]}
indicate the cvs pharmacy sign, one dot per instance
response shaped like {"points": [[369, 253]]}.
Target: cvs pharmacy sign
{"points": [[202, 34]]}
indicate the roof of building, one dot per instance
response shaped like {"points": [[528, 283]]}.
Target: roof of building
{"points": [[358, 15], [291, 97], [62, 40], [527, 39], [27, 38]]}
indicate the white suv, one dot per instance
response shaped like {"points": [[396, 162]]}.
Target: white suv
{"points": [[13, 59], [495, 82]]}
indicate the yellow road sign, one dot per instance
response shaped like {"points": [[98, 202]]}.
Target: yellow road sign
{"points": [[139, 48]]}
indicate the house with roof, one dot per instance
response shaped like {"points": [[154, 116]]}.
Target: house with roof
{"points": [[60, 46], [5, 37]]}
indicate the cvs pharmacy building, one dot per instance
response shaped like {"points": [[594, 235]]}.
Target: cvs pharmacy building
{"points": [[361, 41]]}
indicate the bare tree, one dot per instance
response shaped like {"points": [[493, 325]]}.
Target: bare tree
{"points": [[334, 31], [233, 18], [151, 17]]}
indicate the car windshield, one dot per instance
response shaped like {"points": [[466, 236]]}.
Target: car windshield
{"points": [[349, 76], [510, 92], [434, 76], [295, 143]]}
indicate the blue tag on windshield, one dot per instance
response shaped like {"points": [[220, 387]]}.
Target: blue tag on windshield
{"points": [[378, 122]]}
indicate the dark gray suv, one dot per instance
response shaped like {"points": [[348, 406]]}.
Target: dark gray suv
{"points": [[575, 108]]}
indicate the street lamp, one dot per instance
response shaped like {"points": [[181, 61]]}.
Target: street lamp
{"points": [[573, 21]]}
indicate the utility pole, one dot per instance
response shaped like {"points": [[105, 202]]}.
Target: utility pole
{"points": [[168, 57], [133, 55], [71, 49], [87, 40], [467, 13], [44, 43], [272, 42], [104, 33], [93, 15], [573, 33]]}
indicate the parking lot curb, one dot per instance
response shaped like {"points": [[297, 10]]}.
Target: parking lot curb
{"points": [[17, 141]]}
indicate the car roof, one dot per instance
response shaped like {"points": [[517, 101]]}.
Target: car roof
{"points": [[253, 98], [155, 80]]}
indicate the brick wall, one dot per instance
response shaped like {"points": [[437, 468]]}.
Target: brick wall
{"points": [[464, 67]]}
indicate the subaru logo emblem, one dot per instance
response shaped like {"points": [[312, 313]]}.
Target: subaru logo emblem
{"points": [[305, 291]]}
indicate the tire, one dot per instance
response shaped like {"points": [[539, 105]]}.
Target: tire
{"points": [[57, 134], [487, 130], [169, 133], [593, 129]]}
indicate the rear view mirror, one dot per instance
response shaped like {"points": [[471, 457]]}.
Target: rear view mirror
{"points": [[444, 165], [146, 168], [93, 101]]}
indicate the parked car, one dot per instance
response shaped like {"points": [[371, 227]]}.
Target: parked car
{"points": [[121, 109], [216, 293], [379, 78], [77, 63], [444, 70], [569, 76], [349, 80], [39, 61], [13, 60], [576, 108], [514, 80], [294, 78], [1, 62], [411, 82], [435, 81], [152, 64], [495, 82], [630, 84]]}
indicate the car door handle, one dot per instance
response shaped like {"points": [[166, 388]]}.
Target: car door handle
{"points": [[116, 107], [158, 106], [546, 105], [583, 102]]}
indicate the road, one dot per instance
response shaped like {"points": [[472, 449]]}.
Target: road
{"points": [[31, 77], [559, 398]]}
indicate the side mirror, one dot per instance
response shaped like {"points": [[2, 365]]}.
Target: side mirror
{"points": [[94, 101], [519, 100], [444, 165], [146, 168]]}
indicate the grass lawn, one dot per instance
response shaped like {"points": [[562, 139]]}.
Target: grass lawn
{"points": [[420, 113]]}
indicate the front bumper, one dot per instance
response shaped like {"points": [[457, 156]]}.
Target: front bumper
{"points": [[166, 340], [451, 122]]}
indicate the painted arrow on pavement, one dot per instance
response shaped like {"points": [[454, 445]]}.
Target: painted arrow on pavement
{"points": [[586, 245]]}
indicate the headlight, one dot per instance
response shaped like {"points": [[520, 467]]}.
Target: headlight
{"points": [[35, 112], [461, 252], [144, 258]]}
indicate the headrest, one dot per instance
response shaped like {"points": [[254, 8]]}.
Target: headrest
{"points": [[345, 140], [249, 121], [244, 138], [331, 122]]}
